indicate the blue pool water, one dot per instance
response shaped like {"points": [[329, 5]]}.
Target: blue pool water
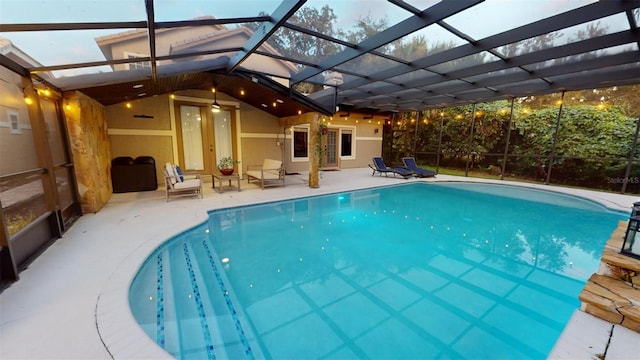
{"points": [[411, 271]]}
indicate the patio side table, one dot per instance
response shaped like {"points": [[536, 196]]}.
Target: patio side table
{"points": [[220, 178]]}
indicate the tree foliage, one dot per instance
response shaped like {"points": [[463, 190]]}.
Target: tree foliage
{"points": [[592, 144], [596, 124]]}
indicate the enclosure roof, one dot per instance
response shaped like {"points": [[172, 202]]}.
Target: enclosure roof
{"points": [[374, 55]]}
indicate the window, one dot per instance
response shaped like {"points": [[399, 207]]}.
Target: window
{"points": [[346, 143], [14, 122], [300, 143], [137, 65]]}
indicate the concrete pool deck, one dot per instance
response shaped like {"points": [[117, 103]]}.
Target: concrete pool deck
{"points": [[71, 302]]}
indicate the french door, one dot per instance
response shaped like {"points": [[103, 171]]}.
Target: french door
{"points": [[330, 144], [204, 137]]}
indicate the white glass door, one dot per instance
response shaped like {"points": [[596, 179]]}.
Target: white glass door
{"points": [[191, 125], [222, 134]]}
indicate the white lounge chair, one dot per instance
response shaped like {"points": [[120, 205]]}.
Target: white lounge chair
{"points": [[271, 173], [178, 184]]}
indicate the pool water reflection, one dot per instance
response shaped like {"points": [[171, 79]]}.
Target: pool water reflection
{"points": [[411, 271]]}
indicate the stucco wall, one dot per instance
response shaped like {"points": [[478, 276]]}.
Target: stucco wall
{"points": [[260, 134], [158, 147], [136, 42], [149, 113], [255, 150], [90, 148], [17, 150], [144, 129]]}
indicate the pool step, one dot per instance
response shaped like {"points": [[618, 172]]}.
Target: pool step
{"points": [[613, 294], [190, 287]]}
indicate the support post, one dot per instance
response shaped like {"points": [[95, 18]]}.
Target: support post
{"points": [[440, 140], [314, 144], [627, 172], [415, 133], [555, 141], [506, 145], [473, 119]]}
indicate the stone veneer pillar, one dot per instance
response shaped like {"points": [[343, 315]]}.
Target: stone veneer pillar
{"points": [[90, 149]]}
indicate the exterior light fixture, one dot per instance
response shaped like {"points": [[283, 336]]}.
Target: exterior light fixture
{"points": [[631, 244], [215, 107]]}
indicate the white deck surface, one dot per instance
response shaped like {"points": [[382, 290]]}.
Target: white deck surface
{"points": [[71, 302]]}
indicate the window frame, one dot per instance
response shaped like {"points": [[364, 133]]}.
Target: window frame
{"points": [[294, 130], [352, 131], [144, 65], [13, 119]]}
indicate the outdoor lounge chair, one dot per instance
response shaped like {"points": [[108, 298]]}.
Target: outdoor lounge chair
{"points": [[179, 184], [410, 163], [271, 173], [380, 167]]}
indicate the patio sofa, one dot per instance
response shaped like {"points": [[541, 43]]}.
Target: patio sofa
{"points": [[132, 175]]}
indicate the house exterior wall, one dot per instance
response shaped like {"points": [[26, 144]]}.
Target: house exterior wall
{"points": [[155, 112], [142, 136], [197, 38], [17, 149], [260, 134], [164, 39], [260, 137], [367, 141]]}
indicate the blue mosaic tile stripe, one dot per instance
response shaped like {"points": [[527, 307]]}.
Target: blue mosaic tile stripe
{"points": [[199, 306], [160, 336], [227, 299]]}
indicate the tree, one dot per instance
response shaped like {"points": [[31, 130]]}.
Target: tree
{"points": [[300, 46]]}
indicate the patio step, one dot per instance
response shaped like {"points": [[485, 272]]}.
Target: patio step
{"points": [[613, 294]]}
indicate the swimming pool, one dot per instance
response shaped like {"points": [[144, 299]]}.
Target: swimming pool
{"points": [[447, 270]]}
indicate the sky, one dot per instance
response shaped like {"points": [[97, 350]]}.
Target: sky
{"points": [[63, 47]]}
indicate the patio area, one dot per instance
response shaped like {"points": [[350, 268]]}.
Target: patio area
{"points": [[71, 302]]}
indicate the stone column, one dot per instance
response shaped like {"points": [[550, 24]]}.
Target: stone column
{"points": [[90, 149], [314, 142]]}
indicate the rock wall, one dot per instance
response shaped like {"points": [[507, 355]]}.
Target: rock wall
{"points": [[613, 294], [90, 149]]}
